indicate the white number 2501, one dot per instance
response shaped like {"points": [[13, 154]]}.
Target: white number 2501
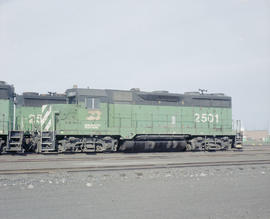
{"points": [[206, 117]]}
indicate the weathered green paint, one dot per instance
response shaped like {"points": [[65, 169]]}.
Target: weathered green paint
{"points": [[127, 120], [28, 118], [6, 116]]}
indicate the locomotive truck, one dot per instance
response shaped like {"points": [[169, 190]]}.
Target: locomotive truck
{"points": [[104, 120]]}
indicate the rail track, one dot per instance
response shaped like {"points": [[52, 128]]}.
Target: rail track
{"points": [[121, 156], [131, 167]]}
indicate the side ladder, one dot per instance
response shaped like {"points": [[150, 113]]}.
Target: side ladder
{"points": [[47, 142], [15, 142]]}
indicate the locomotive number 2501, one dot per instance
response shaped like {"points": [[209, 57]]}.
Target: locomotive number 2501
{"points": [[206, 117]]}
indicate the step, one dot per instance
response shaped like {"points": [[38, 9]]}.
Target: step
{"points": [[14, 149], [46, 149]]}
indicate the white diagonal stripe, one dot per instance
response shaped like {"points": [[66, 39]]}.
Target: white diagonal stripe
{"points": [[43, 108], [48, 126], [45, 117]]}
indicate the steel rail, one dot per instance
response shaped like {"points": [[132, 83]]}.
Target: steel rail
{"points": [[131, 167], [126, 157]]}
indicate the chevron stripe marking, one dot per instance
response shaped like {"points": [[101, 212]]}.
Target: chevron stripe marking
{"points": [[45, 117], [43, 108], [48, 126]]}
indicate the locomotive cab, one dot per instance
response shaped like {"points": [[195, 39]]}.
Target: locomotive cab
{"points": [[88, 98], [6, 113]]}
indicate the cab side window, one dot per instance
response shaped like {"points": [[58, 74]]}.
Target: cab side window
{"points": [[92, 103]]}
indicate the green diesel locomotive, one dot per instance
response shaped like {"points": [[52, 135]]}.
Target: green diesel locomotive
{"points": [[6, 112], [98, 120]]}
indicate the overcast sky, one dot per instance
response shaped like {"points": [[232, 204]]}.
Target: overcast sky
{"points": [[174, 45]]}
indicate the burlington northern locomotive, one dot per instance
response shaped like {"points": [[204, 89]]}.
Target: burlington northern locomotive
{"points": [[101, 120]]}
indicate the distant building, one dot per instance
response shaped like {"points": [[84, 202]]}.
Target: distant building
{"points": [[256, 137]]}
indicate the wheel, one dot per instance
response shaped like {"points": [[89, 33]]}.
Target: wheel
{"points": [[188, 147]]}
